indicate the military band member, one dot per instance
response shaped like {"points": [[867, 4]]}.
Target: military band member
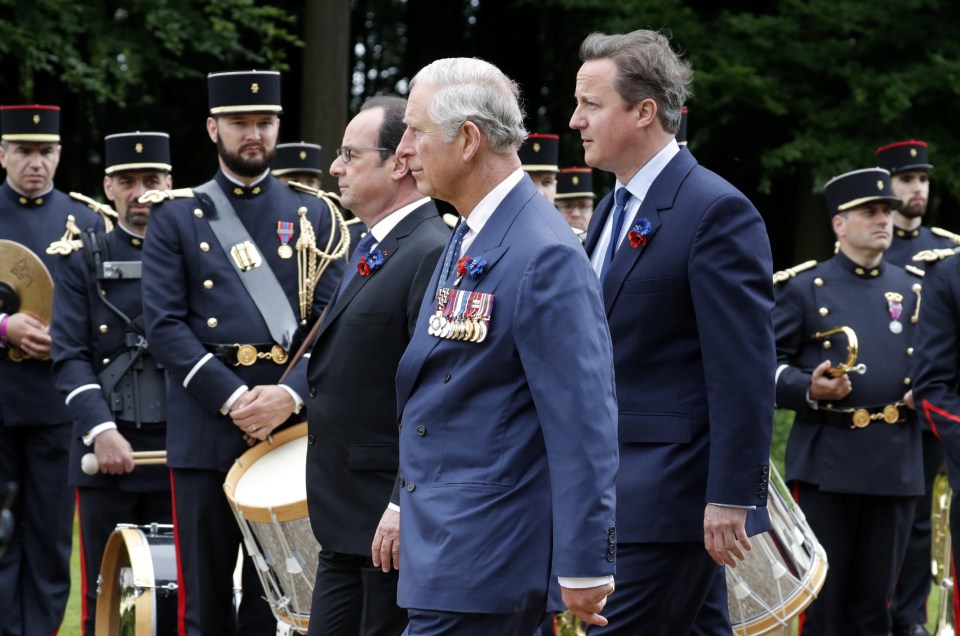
{"points": [[936, 373], [34, 422], [575, 196], [853, 456], [909, 167], [222, 281], [538, 156], [114, 388]]}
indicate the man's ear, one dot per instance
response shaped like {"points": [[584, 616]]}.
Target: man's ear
{"points": [[108, 187], [646, 112], [471, 139], [399, 168], [212, 129]]}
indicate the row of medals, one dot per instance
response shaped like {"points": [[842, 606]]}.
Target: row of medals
{"points": [[466, 328]]}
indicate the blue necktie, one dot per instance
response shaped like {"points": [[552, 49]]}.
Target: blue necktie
{"points": [[620, 197], [453, 252], [362, 249]]}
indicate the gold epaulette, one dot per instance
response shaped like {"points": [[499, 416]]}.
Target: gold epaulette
{"points": [[790, 272], [105, 211], [939, 231], [929, 256], [450, 219], [70, 241], [159, 196], [916, 271]]}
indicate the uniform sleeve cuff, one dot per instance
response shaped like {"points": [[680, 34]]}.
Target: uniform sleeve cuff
{"points": [[580, 583], [90, 436], [225, 409], [393, 506], [720, 505]]}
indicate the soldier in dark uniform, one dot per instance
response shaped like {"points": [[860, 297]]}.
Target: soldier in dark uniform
{"points": [[853, 456], [936, 372], [539, 158], [114, 388], [575, 196], [909, 168], [221, 281], [34, 422]]}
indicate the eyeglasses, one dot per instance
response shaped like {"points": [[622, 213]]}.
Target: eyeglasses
{"points": [[346, 153]]}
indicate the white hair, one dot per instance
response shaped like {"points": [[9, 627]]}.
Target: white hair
{"points": [[470, 89]]}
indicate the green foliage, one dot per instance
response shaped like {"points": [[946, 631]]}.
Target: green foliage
{"points": [[114, 51]]}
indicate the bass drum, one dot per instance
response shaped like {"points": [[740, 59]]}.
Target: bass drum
{"points": [[137, 586], [783, 572]]}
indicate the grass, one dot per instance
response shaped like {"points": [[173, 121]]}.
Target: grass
{"points": [[783, 421]]}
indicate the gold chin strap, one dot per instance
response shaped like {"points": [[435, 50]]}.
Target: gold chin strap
{"points": [[853, 349]]}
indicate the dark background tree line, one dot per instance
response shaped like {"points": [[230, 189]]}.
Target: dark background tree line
{"points": [[787, 93]]}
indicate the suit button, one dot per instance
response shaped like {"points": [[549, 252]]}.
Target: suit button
{"points": [[763, 479], [446, 378], [411, 487], [612, 540], [611, 550], [421, 430], [313, 391], [765, 470], [311, 440], [402, 482], [611, 558]]}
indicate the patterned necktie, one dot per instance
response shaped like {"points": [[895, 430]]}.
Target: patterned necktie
{"points": [[620, 197], [362, 249], [454, 252]]}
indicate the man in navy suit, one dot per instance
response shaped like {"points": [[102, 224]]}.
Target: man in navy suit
{"points": [[505, 394], [352, 409], [685, 270]]}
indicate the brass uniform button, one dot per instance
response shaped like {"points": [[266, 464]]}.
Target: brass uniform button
{"points": [[906, 381], [212, 322], [198, 213], [826, 344], [824, 311], [104, 328], [204, 246], [105, 361], [909, 351], [208, 284], [818, 281]]}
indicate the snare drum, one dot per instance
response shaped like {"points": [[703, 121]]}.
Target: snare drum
{"points": [[783, 572], [137, 586], [267, 490]]}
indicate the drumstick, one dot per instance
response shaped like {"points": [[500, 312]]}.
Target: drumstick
{"points": [[90, 466]]}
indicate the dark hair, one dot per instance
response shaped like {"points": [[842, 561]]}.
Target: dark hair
{"points": [[392, 126], [647, 68]]}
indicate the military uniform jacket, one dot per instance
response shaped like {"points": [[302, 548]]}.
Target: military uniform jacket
{"points": [[87, 335], [353, 445], [508, 449], [27, 393], [193, 298], [936, 363], [907, 243], [881, 459]]}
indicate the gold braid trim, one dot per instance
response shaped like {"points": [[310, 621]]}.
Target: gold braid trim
{"points": [[159, 196], [312, 262], [790, 272], [928, 256], [69, 242], [105, 211], [939, 231]]}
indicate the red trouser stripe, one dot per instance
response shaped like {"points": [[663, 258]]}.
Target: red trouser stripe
{"points": [[181, 590]]}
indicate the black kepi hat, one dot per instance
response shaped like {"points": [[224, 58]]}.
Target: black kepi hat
{"points": [[137, 151], [904, 155], [36, 123], [575, 183], [853, 189], [244, 92], [540, 153], [301, 157]]}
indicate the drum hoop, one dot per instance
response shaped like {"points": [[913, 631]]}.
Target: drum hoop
{"points": [[287, 512], [793, 605], [141, 563]]}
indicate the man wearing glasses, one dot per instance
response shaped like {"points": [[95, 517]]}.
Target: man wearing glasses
{"points": [[352, 454]]}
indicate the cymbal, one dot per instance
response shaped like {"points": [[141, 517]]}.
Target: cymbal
{"points": [[25, 282]]}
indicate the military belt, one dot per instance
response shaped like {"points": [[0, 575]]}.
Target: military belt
{"points": [[248, 354], [862, 417]]}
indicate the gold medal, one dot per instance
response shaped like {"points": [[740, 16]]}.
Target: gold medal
{"points": [[285, 251], [482, 331]]}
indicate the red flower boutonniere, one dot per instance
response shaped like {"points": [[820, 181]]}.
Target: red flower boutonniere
{"points": [[371, 262], [471, 266], [638, 233]]}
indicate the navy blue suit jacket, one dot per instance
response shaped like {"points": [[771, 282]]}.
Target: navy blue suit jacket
{"points": [[508, 446], [690, 316]]}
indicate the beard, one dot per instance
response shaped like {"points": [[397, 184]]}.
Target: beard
{"points": [[248, 168], [913, 210], [137, 220]]}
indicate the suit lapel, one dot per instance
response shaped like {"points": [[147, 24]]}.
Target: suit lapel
{"points": [[659, 199], [599, 218], [390, 244], [489, 244]]}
